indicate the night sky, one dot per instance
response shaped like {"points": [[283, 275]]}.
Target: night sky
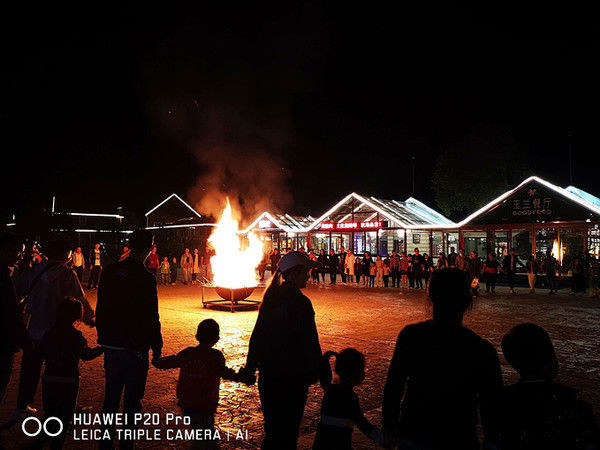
{"points": [[117, 107]]}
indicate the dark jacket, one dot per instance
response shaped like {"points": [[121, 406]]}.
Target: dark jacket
{"points": [[474, 267], [92, 258], [440, 377], [546, 415], [511, 266], [13, 334], [333, 262], [127, 307], [285, 341]]}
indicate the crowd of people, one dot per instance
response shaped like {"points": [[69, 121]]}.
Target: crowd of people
{"points": [[441, 378], [413, 271]]}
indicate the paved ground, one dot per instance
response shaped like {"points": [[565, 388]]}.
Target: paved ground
{"points": [[368, 319]]}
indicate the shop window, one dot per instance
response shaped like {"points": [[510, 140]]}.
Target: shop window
{"points": [[500, 244], [546, 239], [594, 241], [475, 241], [437, 244], [451, 241], [521, 242]]}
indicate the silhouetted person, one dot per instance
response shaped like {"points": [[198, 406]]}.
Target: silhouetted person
{"points": [[340, 409], [442, 374], [536, 412], [61, 348], [128, 326], [332, 263], [201, 370], [550, 267], [44, 287], [13, 334], [284, 346], [491, 268], [510, 263]]}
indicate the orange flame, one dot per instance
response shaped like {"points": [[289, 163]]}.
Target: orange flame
{"points": [[234, 263]]}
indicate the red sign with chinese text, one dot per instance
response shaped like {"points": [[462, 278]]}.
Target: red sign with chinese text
{"points": [[351, 226]]}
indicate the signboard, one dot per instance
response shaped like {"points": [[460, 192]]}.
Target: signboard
{"points": [[533, 203], [354, 226]]}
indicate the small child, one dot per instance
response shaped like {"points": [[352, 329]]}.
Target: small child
{"points": [[165, 271], [340, 409], [202, 368], [538, 413], [173, 271], [62, 347]]}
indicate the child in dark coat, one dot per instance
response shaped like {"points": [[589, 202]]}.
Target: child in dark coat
{"points": [[62, 347], [340, 409], [538, 413], [201, 370]]}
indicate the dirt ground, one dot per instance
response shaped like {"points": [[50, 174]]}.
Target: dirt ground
{"points": [[367, 319]]}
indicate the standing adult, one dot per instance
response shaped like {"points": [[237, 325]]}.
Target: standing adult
{"points": [[349, 266], [378, 271], [418, 269], [284, 346], [127, 295], [461, 262], [78, 263], [532, 270], [96, 263], [323, 261], [510, 263], [578, 271], [491, 267], [452, 257], [404, 266], [13, 334], [44, 287], [443, 376], [342, 264], [186, 266], [333, 263], [197, 268], [153, 262], [550, 267], [207, 269], [395, 269]]}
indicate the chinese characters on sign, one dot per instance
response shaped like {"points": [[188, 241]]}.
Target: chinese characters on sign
{"points": [[372, 225], [532, 206]]}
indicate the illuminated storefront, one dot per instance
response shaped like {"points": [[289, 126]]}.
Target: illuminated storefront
{"points": [[533, 217], [362, 224]]}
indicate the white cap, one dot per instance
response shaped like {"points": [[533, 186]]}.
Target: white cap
{"points": [[293, 259]]}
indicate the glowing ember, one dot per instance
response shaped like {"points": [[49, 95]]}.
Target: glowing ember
{"points": [[235, 262]]}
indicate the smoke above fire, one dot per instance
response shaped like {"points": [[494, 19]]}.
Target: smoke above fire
{"points": [[240, 158]]}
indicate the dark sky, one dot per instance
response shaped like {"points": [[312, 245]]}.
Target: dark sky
{"points": [[107, 108]]}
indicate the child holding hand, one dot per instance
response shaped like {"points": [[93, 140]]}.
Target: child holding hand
{"points": [[340, 409], [201, 370]]}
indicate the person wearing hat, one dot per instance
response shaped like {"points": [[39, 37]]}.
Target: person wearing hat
{"points": [[538, 413], [285, 349]]}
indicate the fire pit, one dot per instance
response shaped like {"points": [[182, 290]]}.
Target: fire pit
{"points": [[234, 294], [232, 299], [234, 263]]}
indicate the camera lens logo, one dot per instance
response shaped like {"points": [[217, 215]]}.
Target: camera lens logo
{"points": [[42, 426]]}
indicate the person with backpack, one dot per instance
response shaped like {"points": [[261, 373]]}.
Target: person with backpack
{"points": [[43, 288]]}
